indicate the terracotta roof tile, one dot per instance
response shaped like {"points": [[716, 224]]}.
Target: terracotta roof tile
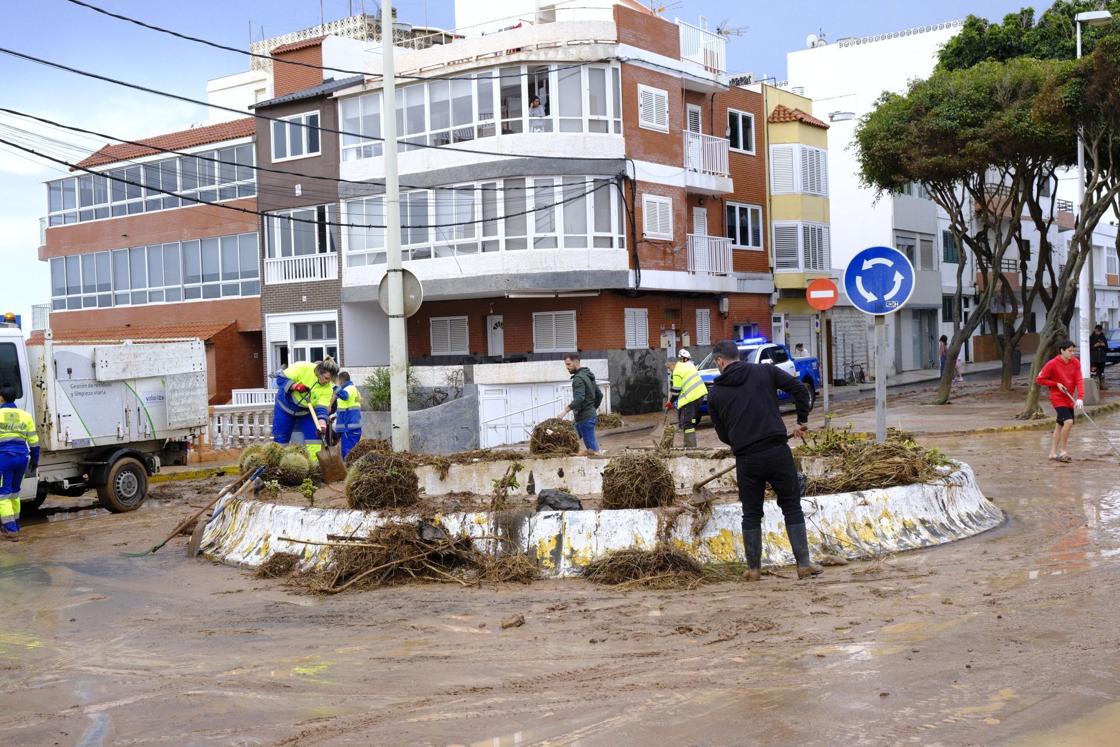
{"points": [[191, 138], [201, 330], [297, 45], [783, 113]]}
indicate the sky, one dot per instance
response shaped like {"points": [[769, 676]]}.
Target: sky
{"points": [[66, 33]]}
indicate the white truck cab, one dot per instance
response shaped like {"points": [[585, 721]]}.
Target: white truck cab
{"points": [[107, 414]]}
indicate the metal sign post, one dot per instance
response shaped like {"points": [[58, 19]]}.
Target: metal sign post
{"points": [[879, 281], [822, 295]]}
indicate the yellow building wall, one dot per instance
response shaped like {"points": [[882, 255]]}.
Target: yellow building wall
{"points": [[811, 208]]}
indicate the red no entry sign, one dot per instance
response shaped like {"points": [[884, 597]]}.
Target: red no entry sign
{"points": [[822, 294]]}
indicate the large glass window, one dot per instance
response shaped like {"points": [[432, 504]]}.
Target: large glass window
{"points": [[744, 225], [210, 176], [160, 273], [520, 214], [294, 233], [508, 100], [740, 128], [296, 136]]}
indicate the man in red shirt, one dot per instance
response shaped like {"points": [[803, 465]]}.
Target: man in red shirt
{"points": [[1062, 374]]}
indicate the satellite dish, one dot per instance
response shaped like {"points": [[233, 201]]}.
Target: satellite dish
{"points": [[413, 293], [811, 40]]}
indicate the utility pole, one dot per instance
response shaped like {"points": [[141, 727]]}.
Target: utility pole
{"points": [[398, 339]]}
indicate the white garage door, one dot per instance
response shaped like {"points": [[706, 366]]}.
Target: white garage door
{"points": [[509, 413]]}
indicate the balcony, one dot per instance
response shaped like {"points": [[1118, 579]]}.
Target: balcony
{"points": [[706, 164], [709, 255], [1064, 215], [705, 48], [300, 269]]}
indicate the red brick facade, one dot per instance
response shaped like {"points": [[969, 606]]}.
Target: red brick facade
{"points": [[640, 28], [600, 320], [292, 78]]}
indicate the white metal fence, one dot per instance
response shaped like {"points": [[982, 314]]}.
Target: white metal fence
{"points": [[703, 47], [300, 268], [706, 154], [253, 396], [709, 255]]}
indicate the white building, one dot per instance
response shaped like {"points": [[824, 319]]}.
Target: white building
{"points": [[844, 79]]}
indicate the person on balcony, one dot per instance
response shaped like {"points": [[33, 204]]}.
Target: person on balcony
{"points": [[348, 416], [537, 121], [300, 387]]}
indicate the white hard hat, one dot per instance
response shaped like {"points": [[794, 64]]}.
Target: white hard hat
{"points": [[684, 354]]}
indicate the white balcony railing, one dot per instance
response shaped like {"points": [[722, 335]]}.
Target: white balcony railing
{"points": [[300, 268], [705, 48], [709, 255], [238, 426], [706, 154], [253, 396], [41, 316]]}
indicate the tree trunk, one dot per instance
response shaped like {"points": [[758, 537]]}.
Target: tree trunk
{"points": [[1046, 340], [1006, 375]]}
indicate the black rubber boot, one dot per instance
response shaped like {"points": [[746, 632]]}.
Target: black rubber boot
{"points": [[752, 544], [690, 440], [799, 541]]}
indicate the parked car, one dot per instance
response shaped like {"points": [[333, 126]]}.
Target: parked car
{"points": [[1112, 357], [761, 350]]}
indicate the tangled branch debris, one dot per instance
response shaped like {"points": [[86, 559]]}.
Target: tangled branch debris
{"points": [[637, 479], [660, 568], [367, 446], [667, 436], [397, 553], [377, 481], [554, 436], [278, 565], [608, 420], [862, 464]]}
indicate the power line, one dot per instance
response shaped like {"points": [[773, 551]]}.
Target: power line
{"points": [[179, 97], [332, 179], [249, 211], [227, 48]]}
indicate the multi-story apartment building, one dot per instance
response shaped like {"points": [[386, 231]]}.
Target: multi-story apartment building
{"points": [[798, 197], [585, 181], [844, 79], [132, 256]]}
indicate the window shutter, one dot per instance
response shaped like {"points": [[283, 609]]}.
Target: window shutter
{"points": [[566, 330], [657, 216], [458, 335], [441, 338], [782, 175], [637, 328], [826, 248], [653, 108], [823, 160], [544, 332], [693, 120], [703, 327], [785, 247]]}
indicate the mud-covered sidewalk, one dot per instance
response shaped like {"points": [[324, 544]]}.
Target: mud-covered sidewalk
{"points": [[999, 638]]}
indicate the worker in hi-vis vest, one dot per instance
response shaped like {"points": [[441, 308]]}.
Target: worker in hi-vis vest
{"points": [[19, 450], [686, 390], [348, 413], [299, 386]]}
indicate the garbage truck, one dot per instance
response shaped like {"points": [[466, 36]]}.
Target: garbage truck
{"points": [[108, 414]]}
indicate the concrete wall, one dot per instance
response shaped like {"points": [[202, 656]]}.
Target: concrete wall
{"points": [[855, 525], [445, 429]]}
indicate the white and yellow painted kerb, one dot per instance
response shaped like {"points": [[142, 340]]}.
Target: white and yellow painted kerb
{"points": [[853, 525]]}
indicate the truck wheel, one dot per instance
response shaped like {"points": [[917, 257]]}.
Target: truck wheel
{"points": [[812, 394], [126, 486]]}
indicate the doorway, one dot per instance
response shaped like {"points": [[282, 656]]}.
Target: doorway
{"points": [[495, 336]]}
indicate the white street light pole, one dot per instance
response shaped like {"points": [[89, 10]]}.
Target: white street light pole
{"points": [[398, 339], [1085, 278]]}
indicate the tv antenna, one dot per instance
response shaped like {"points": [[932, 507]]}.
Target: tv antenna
{"points": [[725, 30]]}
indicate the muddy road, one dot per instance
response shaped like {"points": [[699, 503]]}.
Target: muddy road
{"points": [[1007, 637]]}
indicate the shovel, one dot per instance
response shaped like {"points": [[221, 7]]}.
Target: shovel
{"points": [[701, 494], [330, 463]]}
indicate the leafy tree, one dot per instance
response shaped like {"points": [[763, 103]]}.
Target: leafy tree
{"points": [[974, 138], [1051, 37]]}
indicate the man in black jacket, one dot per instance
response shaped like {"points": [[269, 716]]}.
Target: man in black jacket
{"points": [[743, 403]]}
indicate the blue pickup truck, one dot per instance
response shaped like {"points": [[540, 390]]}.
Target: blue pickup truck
{"points": [[761, 350]]}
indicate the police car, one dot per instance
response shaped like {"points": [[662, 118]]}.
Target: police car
{"points": [[761, 350]]}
